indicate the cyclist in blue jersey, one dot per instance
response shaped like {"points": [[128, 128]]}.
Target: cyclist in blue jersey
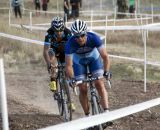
{"points": [[53, 52], [85, 49]]}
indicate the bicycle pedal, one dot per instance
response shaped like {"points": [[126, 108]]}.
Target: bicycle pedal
{"points": [[56, 96]]}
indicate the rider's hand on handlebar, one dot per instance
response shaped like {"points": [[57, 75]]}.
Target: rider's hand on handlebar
{"points": [[107, 75], [72, 82]]}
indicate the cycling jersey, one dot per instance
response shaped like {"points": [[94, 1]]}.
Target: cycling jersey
{"points": [[57, 45], [86, 55]]}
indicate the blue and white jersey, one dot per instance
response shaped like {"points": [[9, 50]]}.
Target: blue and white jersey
{"points": [[85, 53]]}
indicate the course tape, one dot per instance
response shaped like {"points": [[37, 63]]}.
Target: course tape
{"points": [[21, 39], [135, 59], [151, 27], [102, 37], [86, 122]]}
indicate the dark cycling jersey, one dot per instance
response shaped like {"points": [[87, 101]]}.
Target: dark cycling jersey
{"points": [[57, 45]]}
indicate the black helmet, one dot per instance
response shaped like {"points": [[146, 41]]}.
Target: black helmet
{"points": [[57, 24], [79, 27]]}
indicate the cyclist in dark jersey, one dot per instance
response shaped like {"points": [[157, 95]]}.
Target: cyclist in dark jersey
{"points": [[54, 44], [55, 40], [85, 49]]}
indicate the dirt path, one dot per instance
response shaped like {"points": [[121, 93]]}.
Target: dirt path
{"points": [[31, 105], [32, 89]]}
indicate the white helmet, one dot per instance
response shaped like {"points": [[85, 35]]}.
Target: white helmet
{"points": [[79, 27]]}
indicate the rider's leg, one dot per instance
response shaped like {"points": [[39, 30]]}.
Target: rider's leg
{"points": [[80, 74], [53, 64], [96, 68], [84, 98], [103, 93], [53, 75]]}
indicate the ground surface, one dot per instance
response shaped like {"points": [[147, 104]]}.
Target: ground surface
{"points": [[31, 105]]}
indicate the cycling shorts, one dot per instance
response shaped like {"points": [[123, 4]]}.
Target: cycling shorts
{"points": [[59, 56], [85, 65]]}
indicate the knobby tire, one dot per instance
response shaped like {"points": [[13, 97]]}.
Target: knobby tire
{"points": [[96, 109]]}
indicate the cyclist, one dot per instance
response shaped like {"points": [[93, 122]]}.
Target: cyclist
{"points": [[85, 49], [54, 43]]}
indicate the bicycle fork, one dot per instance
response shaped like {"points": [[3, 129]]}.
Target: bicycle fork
{"points": [[95, 105], [94, 102]]}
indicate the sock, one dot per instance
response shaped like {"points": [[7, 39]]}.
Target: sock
{"points": [[52, 79], [87, 114], [106, 109]]}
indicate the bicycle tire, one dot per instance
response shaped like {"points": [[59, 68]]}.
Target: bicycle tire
{"points": [[67, 110], [96, 109], [59, 100]]}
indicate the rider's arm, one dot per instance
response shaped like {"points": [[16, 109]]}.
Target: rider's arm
{"points": [[68, 66], [46, 55], [105, 57], [102, 50]]}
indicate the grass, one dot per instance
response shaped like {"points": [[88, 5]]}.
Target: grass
{"points": [[127, 70]]}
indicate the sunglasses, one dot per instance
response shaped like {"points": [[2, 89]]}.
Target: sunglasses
{"points": [[80, 36], [59, 30]]}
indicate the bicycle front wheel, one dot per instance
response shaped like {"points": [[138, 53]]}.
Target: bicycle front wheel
{"points": [[67, 111], [96, 109], [59, 98]]}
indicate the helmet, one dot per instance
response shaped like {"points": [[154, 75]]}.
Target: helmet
{"points": [[57, 24], [79, 27]]}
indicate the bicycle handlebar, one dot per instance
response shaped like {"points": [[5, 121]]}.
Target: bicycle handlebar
{"points": [[86, 80], [73, 82]]}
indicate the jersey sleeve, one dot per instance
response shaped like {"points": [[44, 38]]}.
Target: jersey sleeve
{"points": [[67, 48], [97, 41], [46, 40]]}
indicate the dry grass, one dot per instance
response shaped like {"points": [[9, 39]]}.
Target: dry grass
{"points": [[17, 52]]}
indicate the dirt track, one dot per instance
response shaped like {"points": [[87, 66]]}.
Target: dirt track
{"points": [[31, 105]]}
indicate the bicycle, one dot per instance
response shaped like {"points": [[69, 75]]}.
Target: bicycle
{"points": [[62, 94], [94, 98]]}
